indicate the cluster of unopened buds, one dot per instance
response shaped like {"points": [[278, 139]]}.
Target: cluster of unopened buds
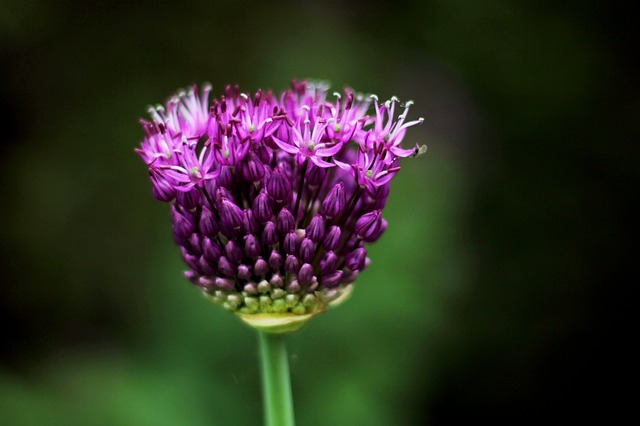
{"points": [[273, 198]]}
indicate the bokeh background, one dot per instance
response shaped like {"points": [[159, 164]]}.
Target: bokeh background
{"points": [[501, 291]]}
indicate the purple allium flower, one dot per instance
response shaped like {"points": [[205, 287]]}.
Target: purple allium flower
{"points": [[265, 221]]}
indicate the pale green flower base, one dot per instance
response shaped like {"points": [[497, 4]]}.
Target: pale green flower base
{"points": [[289, 321], [263, 317]]}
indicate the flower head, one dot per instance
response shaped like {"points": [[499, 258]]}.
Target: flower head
{"points": [[267, 224]]}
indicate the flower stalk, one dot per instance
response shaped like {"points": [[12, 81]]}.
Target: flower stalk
{"points": [[276, 382]]}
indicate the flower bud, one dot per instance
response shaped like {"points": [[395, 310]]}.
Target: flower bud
{"points": [[260, 267], [207, 284], [285, 221], [224, 283], [335, 201], [291, 243], [191, 260], [291, 300], [244, 272], [205, 267], [291, 264], [305, 274], [183, 223], [251, 246], [332, 280], [279, 186], [233, 251], [313, 286], [331, 240], [262, 209], [293, 286], [208, 224], [355, 260], [250, 288], [188, 200], [276, 281], [277, 293], [328, 263], [161, 189], [307, 250], [315, 230], [230, 218], [251, 168], [193, 244], [275, 260], [210, 250], [264, 286], [368, 226], [226, 267], [249, 223], [269, 235], [232, 302], [265, 303]]}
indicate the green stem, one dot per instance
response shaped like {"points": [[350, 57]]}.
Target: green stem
{"points": [[276, 384]]}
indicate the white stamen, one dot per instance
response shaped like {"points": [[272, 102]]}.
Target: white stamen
{"points": [[244, 96], [374, 97]]}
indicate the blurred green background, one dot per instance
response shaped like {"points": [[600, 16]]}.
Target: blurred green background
{"points": [[499, 293]]}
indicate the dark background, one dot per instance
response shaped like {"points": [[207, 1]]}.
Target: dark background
{"points": [[502, 290]]}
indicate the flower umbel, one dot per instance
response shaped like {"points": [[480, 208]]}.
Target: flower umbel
{"points": [[273, 198]]}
